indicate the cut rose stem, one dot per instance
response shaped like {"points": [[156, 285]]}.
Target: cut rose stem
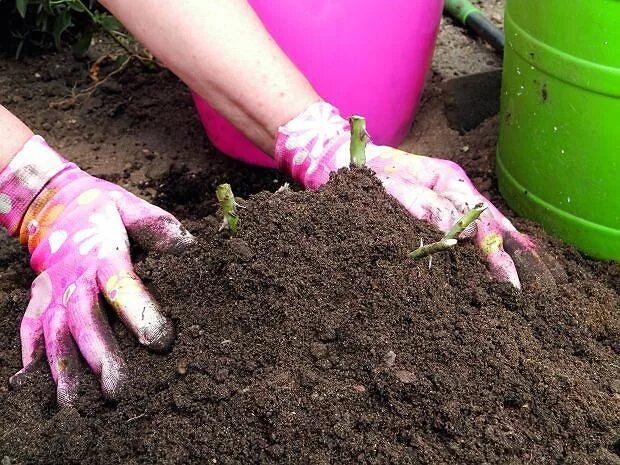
{"points": [[426, 250], [228, 208], [359, 139], [450, 239], [467, 219]]}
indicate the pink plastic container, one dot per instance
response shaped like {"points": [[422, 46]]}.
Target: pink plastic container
{"points": [[366, 57]]}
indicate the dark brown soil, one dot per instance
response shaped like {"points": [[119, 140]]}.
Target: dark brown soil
{"points": [[311, 338]]}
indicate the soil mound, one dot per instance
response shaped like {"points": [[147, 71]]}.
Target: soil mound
{"points": [[311, 338]]}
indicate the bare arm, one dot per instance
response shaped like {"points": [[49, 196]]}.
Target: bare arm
{"points": [[14, 135], [222, 51]]}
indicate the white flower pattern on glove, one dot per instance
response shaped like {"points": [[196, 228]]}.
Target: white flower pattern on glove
{"points": [[104, 237]]}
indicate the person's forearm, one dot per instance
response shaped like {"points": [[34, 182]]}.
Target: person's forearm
{"points": [[13, 136], [223, 52]]}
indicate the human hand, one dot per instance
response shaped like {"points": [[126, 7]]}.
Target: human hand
{"points": [[317, 143], [76, 231]]}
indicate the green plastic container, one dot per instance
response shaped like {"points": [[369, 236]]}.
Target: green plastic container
{"points": [[558, 159]]}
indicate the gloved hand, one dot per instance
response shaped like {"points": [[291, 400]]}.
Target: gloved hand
{"points": [[317, 142], [75, 227]]}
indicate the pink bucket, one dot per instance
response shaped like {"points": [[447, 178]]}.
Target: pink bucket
{"points": [[377, 69]]}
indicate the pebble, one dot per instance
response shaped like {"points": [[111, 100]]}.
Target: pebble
{"points": [[389, 358], [359, 388], [182, 367], [405, 376], [614, 386]]}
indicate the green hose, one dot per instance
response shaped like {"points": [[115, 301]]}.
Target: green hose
{"points": [[471, 17], [460, 9]]}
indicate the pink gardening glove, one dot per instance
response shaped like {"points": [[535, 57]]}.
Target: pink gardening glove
{"points": [[317, 142], [76, 228]]}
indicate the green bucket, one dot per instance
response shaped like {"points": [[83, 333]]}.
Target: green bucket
{"points": [[558, 158]]}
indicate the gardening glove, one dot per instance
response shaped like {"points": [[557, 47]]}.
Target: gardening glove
{"points": [[75, 227], [317, 143]]}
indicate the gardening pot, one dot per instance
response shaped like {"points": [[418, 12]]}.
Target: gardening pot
{"points": [[558, 158], [365, 57]]}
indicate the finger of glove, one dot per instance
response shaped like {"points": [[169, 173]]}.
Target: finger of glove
{"points": [[21, 377], [62, 354], [490, 241], [31, 330], [135, 306], [454, 184], [93, 335], [424, 204], [31, 336], [465, 197], [533, 271], [150, 226]]}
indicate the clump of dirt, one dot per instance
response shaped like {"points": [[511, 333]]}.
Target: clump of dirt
{"points": [[311, 338]]}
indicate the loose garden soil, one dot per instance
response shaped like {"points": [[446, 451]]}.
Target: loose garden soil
{"points": [[311, 338]]}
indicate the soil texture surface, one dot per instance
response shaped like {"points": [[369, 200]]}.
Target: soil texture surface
{"points": [[311, 338]]}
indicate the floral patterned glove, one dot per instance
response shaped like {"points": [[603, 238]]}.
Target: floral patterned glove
{"points": [[317, 142], [75, 227]]}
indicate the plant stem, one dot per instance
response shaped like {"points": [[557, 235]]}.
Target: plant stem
{"points": [[97, 21], [426, 250], [469, 217], [450, 239], [228, 207], [359, 139], [86, 10]]}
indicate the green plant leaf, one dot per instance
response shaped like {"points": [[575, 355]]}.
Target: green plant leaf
{"points": [[22, 7], [61, 23], [109, 23], [120, 60], [75, 7], [82, 44], [18, 52], [47, 6]]}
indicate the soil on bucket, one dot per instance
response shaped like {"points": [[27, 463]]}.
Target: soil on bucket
{"points": [[311, 338]]}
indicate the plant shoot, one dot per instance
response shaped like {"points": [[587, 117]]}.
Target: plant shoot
{"points": [[359, 139], [451, 237], [228, 208]]}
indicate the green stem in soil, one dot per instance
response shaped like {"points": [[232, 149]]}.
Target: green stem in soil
{"points": [[450, 239], [469, 217], [228, 207], [359, 139], [426, 250]]}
